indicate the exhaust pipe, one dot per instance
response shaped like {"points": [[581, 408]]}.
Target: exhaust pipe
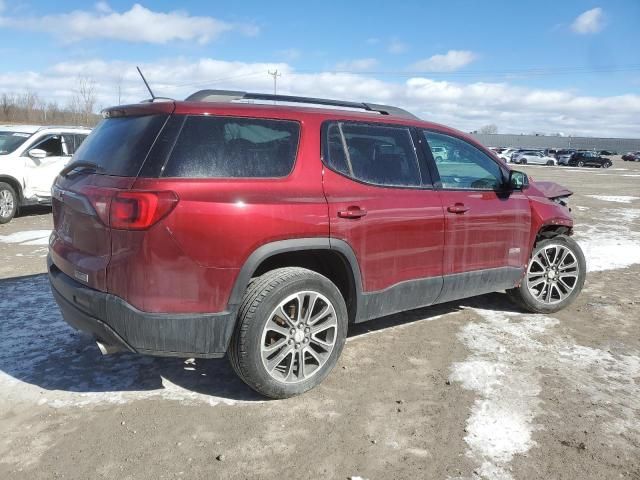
{"points": [[107, 349]]}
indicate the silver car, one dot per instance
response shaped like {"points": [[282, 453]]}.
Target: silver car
{"points": [[535, 158]]}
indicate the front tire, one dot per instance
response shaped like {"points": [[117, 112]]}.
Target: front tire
{"points": [[581, 163], [290, 331], [555, 276], [8, 202]]}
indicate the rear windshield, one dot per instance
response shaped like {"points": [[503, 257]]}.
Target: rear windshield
{"points": [[219, 147], [119, 145], [10, 141]]}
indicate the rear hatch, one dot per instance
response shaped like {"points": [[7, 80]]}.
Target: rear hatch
{"points": [[92, 199]]}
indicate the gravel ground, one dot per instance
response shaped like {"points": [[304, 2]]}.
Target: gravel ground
{"points": [[470, 389]]}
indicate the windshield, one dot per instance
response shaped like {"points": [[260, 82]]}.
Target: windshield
{"points": [[10, 141]]}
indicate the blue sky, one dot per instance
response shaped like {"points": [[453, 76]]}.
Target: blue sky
{"points": [[464, 63]]}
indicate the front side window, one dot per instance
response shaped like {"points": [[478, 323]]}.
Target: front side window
{"points": [[234, 147], [52, 145], [375, 154], [465, 167]]}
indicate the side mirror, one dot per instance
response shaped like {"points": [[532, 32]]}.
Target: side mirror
{"points": [[37, 153], [518, 180]]}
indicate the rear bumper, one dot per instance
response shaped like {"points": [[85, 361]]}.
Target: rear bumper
{"points": [[118, 324]]}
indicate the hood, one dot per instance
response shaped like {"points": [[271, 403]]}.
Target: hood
{"points": [[551, 190]]}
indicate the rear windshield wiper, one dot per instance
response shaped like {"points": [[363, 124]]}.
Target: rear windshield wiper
{"points": [[83, 165]]}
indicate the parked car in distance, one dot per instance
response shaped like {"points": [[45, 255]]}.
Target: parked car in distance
{"points": [[606, 153], [212, 226], [631, 157], [439, 153], [564, 155], [30, 158], [535, 158], [506, 154], [588, 159]]}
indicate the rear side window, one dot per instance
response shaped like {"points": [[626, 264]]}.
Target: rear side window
{"points": [[233, 147], [119, 145], [73, 141], [375, 154]]}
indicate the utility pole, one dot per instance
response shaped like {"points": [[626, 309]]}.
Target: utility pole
{"points": [[275, 76]]}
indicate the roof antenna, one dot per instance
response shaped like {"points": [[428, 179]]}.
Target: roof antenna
{"points": [[153, 97]]}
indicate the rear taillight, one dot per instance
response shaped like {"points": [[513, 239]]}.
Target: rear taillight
{"points": [[134, 210], [130, 209]]}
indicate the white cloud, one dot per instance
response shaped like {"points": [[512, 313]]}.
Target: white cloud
{"points": [[103, 7], [358, 65], [591, 21], [138, 24], [466, 106], [396, 46], [449, 62]]}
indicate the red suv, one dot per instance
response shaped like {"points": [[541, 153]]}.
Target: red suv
{"points": [[212, 225]]}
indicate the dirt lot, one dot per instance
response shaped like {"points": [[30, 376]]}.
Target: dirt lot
{"points": [[472, 389]]}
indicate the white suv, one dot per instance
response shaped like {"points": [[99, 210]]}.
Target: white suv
{"points": [[30, 158]]}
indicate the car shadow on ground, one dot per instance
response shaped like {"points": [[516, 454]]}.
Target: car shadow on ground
{"points": [[38, 348]]}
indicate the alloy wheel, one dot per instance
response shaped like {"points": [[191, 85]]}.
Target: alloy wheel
{"points": [[7, 203], [299, 336], [552, 274]]}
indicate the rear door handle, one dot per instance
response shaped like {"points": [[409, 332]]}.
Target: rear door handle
{"points": [[457, 208], [352, 212]]}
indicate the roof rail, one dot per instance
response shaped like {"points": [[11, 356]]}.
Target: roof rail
{"points": [[76, 127], [231, 95]]}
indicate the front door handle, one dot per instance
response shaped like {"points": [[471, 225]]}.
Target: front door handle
{"points": [[457, 208], [352, 212]]}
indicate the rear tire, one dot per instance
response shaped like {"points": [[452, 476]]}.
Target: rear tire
{"points": [[555, 276], [282, 357], [8, 203], [606, 164], [550, 163]]}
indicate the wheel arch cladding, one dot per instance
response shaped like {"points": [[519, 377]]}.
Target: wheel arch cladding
{"points": [[333, 259], [14, 183]]}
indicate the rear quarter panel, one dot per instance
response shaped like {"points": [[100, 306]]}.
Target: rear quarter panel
{"points": [[189, 261]]}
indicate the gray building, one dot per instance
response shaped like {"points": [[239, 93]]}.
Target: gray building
{"points": [[619, 145]]}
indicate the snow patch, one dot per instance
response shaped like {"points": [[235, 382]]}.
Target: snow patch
{"points": [[604, 251], [609, 242], [508, 352], [501, 421], [615, 198], [44, 361], [28, 237]]}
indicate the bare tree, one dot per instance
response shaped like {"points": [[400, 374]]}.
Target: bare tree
{"points": [[86, 97], [27, 102], [488, 129], [29, 107], [8, 106]]}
